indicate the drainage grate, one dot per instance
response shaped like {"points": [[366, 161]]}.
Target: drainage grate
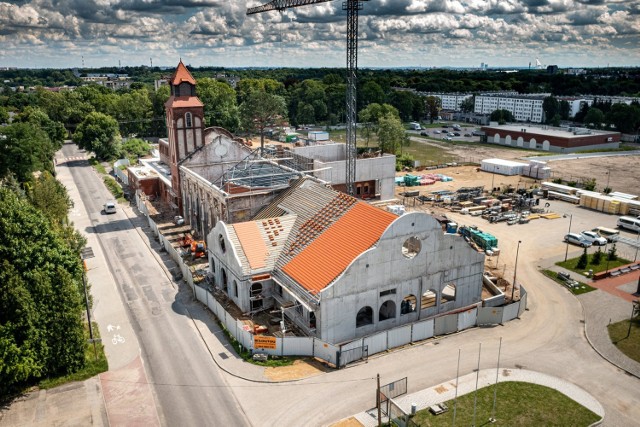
{"points": [[223, 355]]}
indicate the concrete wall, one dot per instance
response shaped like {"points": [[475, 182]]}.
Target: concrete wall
{"points": [[442, 259]]}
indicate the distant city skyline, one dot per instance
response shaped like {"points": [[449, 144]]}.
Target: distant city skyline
{"points": [[393, 33]]}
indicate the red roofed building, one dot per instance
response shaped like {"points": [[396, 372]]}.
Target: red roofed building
{"points": [[341, 268]]}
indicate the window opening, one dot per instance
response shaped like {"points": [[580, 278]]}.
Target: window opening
{"points": [[364, 317], [387, 311]]}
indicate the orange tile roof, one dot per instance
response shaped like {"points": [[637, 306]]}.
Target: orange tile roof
{"points": [[183, 102], [181, 74], [332, 251], [252, 243]]}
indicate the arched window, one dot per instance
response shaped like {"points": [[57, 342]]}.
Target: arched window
{"points": [[223, 248], [188, 120], [256, 288], [364, 317], [408, 304], [449, 292], [429, 299], [387, 311], [235, 289], [224, 280]]}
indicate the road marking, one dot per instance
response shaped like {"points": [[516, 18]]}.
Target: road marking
{"points": [[117, 338]]}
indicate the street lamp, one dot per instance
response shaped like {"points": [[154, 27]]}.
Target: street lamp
{"points": [[566, 252], [515, 270]]}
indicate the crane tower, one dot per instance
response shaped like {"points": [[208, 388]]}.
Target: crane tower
{"points": [[352, 7]]}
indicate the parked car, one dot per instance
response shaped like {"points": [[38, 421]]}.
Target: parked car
{"points": [[456, 134], [451, 134], [178, 220], [467, 134], [424, 133], [594, 238], [477, 133], [436, 131], [608, 233], [577, 239], [448, 138]]}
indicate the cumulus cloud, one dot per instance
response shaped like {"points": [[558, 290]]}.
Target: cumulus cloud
{"points": [[391, 32]]}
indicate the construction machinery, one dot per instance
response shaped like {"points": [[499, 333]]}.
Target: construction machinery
{"points": [[352, 7]]}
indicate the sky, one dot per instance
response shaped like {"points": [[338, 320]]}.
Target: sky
{"points": [[392, 33]]}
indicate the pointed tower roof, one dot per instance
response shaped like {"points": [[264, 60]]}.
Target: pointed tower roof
{"points": [[181, 74]]}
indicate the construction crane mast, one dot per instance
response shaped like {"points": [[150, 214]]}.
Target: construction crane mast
{"points": [[352, 7]]}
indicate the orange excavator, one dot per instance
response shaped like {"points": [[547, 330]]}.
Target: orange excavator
{"points": [[198, 249]]}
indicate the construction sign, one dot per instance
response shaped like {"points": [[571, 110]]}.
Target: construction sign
{"points": [[261, 341]]}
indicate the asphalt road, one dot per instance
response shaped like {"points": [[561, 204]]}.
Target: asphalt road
{"points": [[135, 302]]}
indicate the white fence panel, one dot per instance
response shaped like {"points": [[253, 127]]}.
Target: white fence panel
{"points": [[244, 337], [271, 352], [399, 336], [467, 319], [446, 324], [422, 330], [230, 323], [298, 346], [200, 294], [325, 351], [211, 303], [376, 343], [490, 315], [523, 301], [353, 344], [510, 312]]}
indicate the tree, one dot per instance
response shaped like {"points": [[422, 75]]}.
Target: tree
{"points": [[372, 93], [220, 105], [25, 149], [468, 105], [550, 107], [4, 115], [391, 134], [50, 197], [502, 116], [41, 308], [597, 257], [134, 109], [582, 262], [626, 118], [98, 133], [594, 118], [612, 254], [565, 110], [370, 116], [433, 104], [261, 110], [36, 116]]}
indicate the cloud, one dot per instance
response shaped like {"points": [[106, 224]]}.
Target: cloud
{"points": [[391, 32]]}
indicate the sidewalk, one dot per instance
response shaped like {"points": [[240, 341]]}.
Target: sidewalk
{"points": [[467, 384]]}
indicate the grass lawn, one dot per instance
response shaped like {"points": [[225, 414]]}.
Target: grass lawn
{"points": [[583, 289], [517, 404], [92, 366], [618, 334], [571, 264]]}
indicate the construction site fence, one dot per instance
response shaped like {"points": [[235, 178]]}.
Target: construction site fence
{"points": [[121, 174], [343, 354]]}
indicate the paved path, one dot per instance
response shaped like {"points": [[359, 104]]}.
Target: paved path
{"points": [[582, 155], [467, 383]]}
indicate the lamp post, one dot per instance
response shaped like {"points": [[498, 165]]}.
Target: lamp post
{"points": [[515, 271], [566, 252]]}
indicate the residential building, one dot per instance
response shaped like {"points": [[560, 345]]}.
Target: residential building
{"points": [[524, 108]]}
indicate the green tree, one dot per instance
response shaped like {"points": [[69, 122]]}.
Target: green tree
{"points": [[433, 107], [37, 117], [134, 148], [594, 118], [372, 93], [50, 197], [502, 116], [220, 105], [391, 134], [41, 306], [597, 257], [134, 110], [550, 107], [468, 105], [261, 110], [612, 254], [565, 110], [370, 116], [25, 149], [583, 260], [626, 118], [4, 115], [98, 133]]}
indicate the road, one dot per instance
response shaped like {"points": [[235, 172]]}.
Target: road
{"points": [[188, 389], [160, 370]]}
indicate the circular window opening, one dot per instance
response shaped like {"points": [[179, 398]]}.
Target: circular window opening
{"points": [[223, 248], [411, 247]]}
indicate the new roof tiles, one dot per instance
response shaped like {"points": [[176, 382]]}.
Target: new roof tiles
{"points": [[252, 243], [331, 252], [181, 74]]}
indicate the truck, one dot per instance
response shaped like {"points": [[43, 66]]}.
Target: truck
{"points": [[415, 126]]}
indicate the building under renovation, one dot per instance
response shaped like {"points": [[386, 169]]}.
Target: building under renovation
{"points": [[339, 268]]}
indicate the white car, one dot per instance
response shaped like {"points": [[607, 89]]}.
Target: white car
{"points": [[594, 238]]}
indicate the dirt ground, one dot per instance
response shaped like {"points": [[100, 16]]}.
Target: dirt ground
{"points": [[302, 368]]}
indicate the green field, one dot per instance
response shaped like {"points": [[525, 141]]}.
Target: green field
{"points": [[571, 264], [582, 289], [618, 334], [517, 404]]}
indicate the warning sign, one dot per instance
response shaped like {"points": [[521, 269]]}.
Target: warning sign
{"points": [[260, 341]]}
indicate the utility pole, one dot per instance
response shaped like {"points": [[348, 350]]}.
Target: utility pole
{"points": [[378, 402], [515, 270]]}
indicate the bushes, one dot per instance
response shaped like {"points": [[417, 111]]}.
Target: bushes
{"points": [[114, 187]]}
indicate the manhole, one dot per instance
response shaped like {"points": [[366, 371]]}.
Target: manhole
{"points": [[223, 355]]}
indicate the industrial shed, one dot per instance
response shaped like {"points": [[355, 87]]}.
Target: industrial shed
{"points": [[503, 167]]}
